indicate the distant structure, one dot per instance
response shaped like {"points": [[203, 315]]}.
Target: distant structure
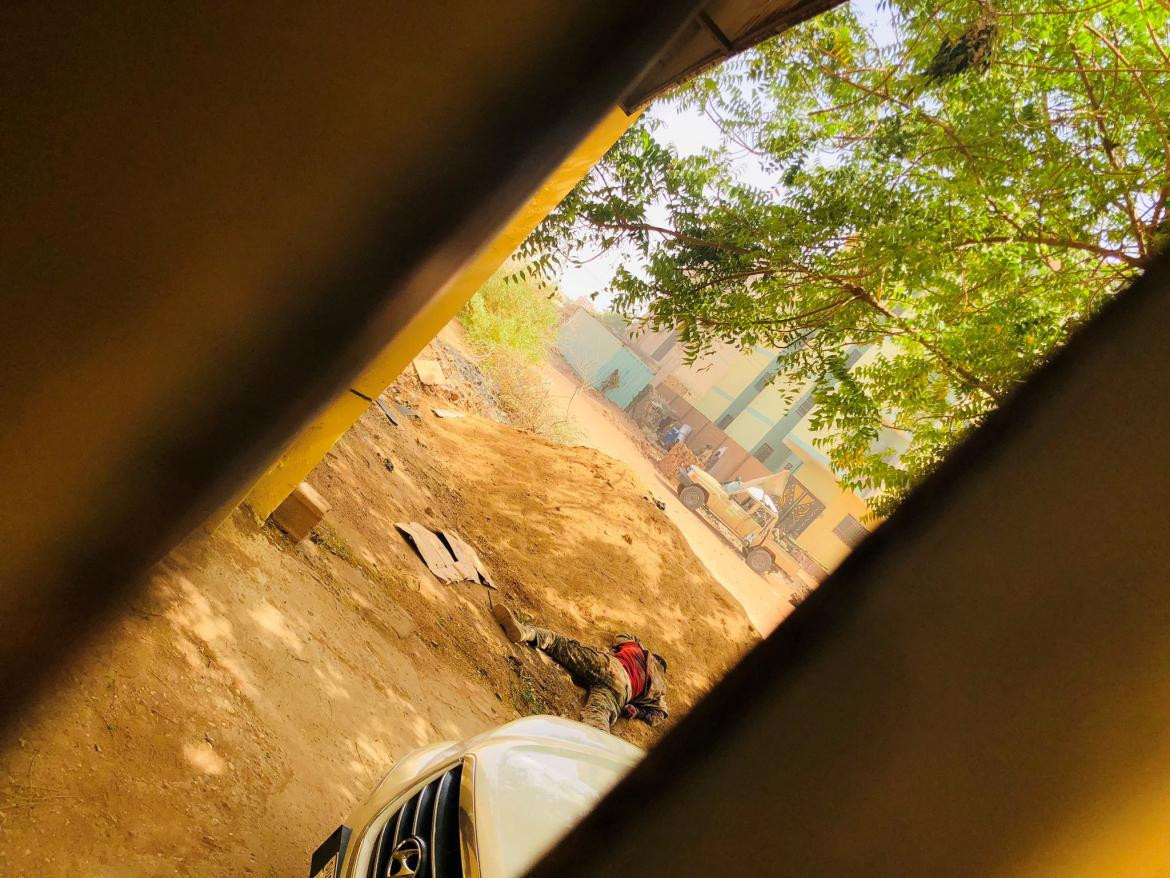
{"points": [[729, 400], [603, 358]]}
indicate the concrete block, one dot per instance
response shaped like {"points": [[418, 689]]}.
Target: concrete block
{"points": [[300, 512], [430, 372]]}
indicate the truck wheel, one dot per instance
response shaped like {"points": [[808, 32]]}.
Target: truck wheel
{"points": [[759, 560], [692, 496]]}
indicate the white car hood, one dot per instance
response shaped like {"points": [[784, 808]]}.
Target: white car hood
{"points": [[533, 780]]}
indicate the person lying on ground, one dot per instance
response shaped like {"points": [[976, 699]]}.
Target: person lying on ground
{"points": [[626, 680]]}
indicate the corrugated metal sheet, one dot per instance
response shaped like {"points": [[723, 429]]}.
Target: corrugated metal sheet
{"points": [[594, 353], [585, 344]]}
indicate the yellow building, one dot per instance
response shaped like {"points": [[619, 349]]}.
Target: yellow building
{"points": [[721, 402]]}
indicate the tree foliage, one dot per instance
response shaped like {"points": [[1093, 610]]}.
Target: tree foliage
{"points": [[956, 189]]}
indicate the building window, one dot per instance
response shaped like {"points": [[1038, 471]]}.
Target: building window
{"points": [[851, 531], [724, 422], [763, 380], [763, 453], [855, 355], [663, 349], [805, 407]]}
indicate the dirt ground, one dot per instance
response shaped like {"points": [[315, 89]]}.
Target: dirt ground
{"points": [[256, 689], [765, 598]]}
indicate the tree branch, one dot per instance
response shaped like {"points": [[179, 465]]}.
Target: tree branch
{"points": [[670, 233], [947, 129], [1051, 241], [1107, 146], [957, 369], [1156, 113], [1150, 31]]}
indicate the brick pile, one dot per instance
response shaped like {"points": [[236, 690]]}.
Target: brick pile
{"points": [[679, 457]]}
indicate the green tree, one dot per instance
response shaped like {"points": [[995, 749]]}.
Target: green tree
{"points": [[958, 187], [511, 314]]}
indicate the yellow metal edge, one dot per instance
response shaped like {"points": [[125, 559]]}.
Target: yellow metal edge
{"points": [[306, 451], [312, 443]]}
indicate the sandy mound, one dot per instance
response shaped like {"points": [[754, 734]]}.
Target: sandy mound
{"points": [[571, 537]]}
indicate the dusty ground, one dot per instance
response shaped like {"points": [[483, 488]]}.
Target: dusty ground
{"points": [[256, 690], [766, 599]]}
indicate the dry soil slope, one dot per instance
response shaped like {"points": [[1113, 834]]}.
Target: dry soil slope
{"points": [[571, 536]]}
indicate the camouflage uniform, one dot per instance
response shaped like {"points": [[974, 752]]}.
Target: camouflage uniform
{"points": [[605, 681]]}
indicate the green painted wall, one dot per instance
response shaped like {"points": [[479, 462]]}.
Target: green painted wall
{"points": [[595, 354]]}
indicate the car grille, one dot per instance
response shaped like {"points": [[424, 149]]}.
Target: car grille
{"points": [[431, 818]]}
